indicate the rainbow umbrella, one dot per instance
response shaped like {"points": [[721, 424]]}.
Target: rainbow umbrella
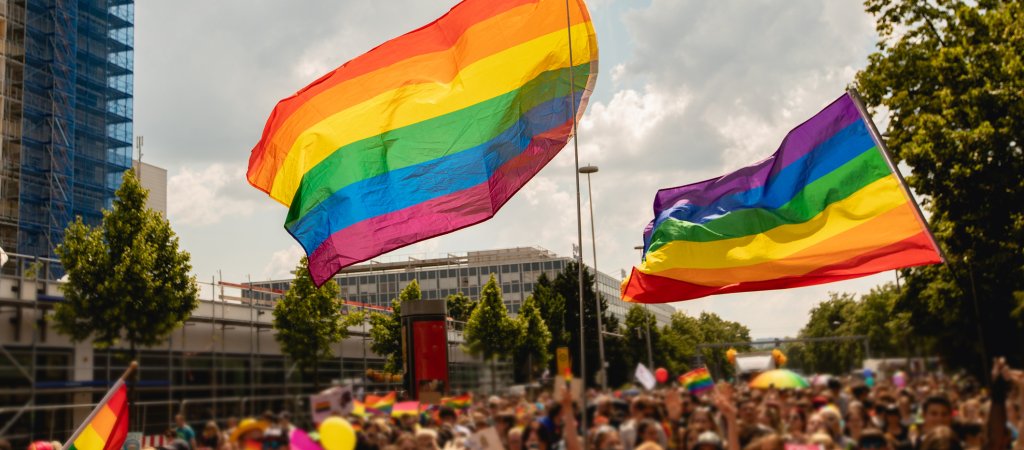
{"points": [[779, 379]]}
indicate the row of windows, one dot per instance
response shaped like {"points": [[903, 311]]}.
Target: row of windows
{"points": [[547, 266]]}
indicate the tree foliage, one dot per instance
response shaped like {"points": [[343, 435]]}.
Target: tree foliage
{"points": [[533, 352], [685, 332], [666, 348], [951, 76], [308, 320], [551, 306], [566, 285], [127, 277], [873, 316], [490, 332], [459, 306], [386, 329]]}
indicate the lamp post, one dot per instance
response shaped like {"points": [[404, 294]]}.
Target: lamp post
{"points": [[647, 322], [587, 170]]}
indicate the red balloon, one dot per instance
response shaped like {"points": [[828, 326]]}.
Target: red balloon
{"points": [[661, 375]]}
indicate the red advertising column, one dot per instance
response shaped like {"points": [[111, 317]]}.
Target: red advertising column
{"points": [[425, 347]]}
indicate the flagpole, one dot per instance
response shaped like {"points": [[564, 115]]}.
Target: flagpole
{"points": [[579, 229], [117, 384], [877, 137]]}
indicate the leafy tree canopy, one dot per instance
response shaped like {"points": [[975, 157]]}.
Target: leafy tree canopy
{"points": [[127, 277], [950, 75]]}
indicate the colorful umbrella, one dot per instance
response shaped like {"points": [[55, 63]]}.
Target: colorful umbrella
{"points": [[779, 379]]}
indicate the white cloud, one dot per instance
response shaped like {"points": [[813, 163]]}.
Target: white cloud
{"points": [[206, 196], [283, 262], [688, 90]]}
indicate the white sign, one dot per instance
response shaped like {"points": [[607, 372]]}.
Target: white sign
{"points": [[753, 363], [334, 401], [645, 377]]}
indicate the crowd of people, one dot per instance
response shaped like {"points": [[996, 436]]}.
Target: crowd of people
{"points": [[930, 412]]}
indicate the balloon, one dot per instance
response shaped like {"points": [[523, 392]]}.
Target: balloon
{"points": [[661, 375], [900, 379], [731, 356], [869, 381], [337, 434]]}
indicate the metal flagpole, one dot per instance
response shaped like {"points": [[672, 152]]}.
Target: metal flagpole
{"points": [[579, 228]]}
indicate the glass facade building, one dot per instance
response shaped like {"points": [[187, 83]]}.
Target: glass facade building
{"points": [[67, 115]]}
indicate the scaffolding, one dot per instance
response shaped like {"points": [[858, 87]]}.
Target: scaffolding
{"points": [[67, 116], [224, 361]]}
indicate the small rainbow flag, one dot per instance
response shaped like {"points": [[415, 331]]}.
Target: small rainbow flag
{"points": [[107, 426], [358, 408], [697, 380], [827, 206], [459, 402], [428, 133], [380, 404]]}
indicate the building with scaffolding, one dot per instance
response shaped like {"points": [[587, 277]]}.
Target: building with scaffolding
{"points": [[67, 69], [223, 362]]}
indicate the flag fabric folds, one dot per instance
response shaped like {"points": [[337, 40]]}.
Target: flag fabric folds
{"points": [[697, 380], [381, 405], [825, 207], [107, 426], [428, 133], [458, 402]]}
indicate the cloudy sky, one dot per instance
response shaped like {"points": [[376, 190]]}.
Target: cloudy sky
{"points": [[688, 90]]}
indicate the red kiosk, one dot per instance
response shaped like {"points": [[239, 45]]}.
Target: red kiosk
{"points": [[425, 347]]}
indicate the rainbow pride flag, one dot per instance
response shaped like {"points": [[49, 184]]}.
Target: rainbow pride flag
{"points": [[428, 133], [380, 404], [458, 402], [697, 380], [107, 426], [825, 207]]}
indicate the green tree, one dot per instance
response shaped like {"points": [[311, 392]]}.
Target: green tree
{"points": [[386, 329], [552, 310], [685, 332], [490, 332], [833, 317], [459, 306], [666, 351], [308, 320], [873, 315], [951, 76], [535, 341], [566, 285], [126, 277]]}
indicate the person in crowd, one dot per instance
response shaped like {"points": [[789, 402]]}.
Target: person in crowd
{"points": [[796, 426], [184, 431], [605, 437], [426, 439], [211, 438], [857, 419], [647, 431]]}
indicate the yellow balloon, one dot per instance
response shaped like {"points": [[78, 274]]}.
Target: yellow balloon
{"points": [[337, 434]]}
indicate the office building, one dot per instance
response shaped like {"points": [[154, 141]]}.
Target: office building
{"points": [[516, 270]]}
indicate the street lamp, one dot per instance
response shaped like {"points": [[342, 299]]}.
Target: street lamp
{"points": [[589, 169], [647, 321]]}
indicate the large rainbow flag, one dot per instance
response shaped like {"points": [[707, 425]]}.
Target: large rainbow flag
{"points": [[827, 206], [428, 133], [107, 426]]}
